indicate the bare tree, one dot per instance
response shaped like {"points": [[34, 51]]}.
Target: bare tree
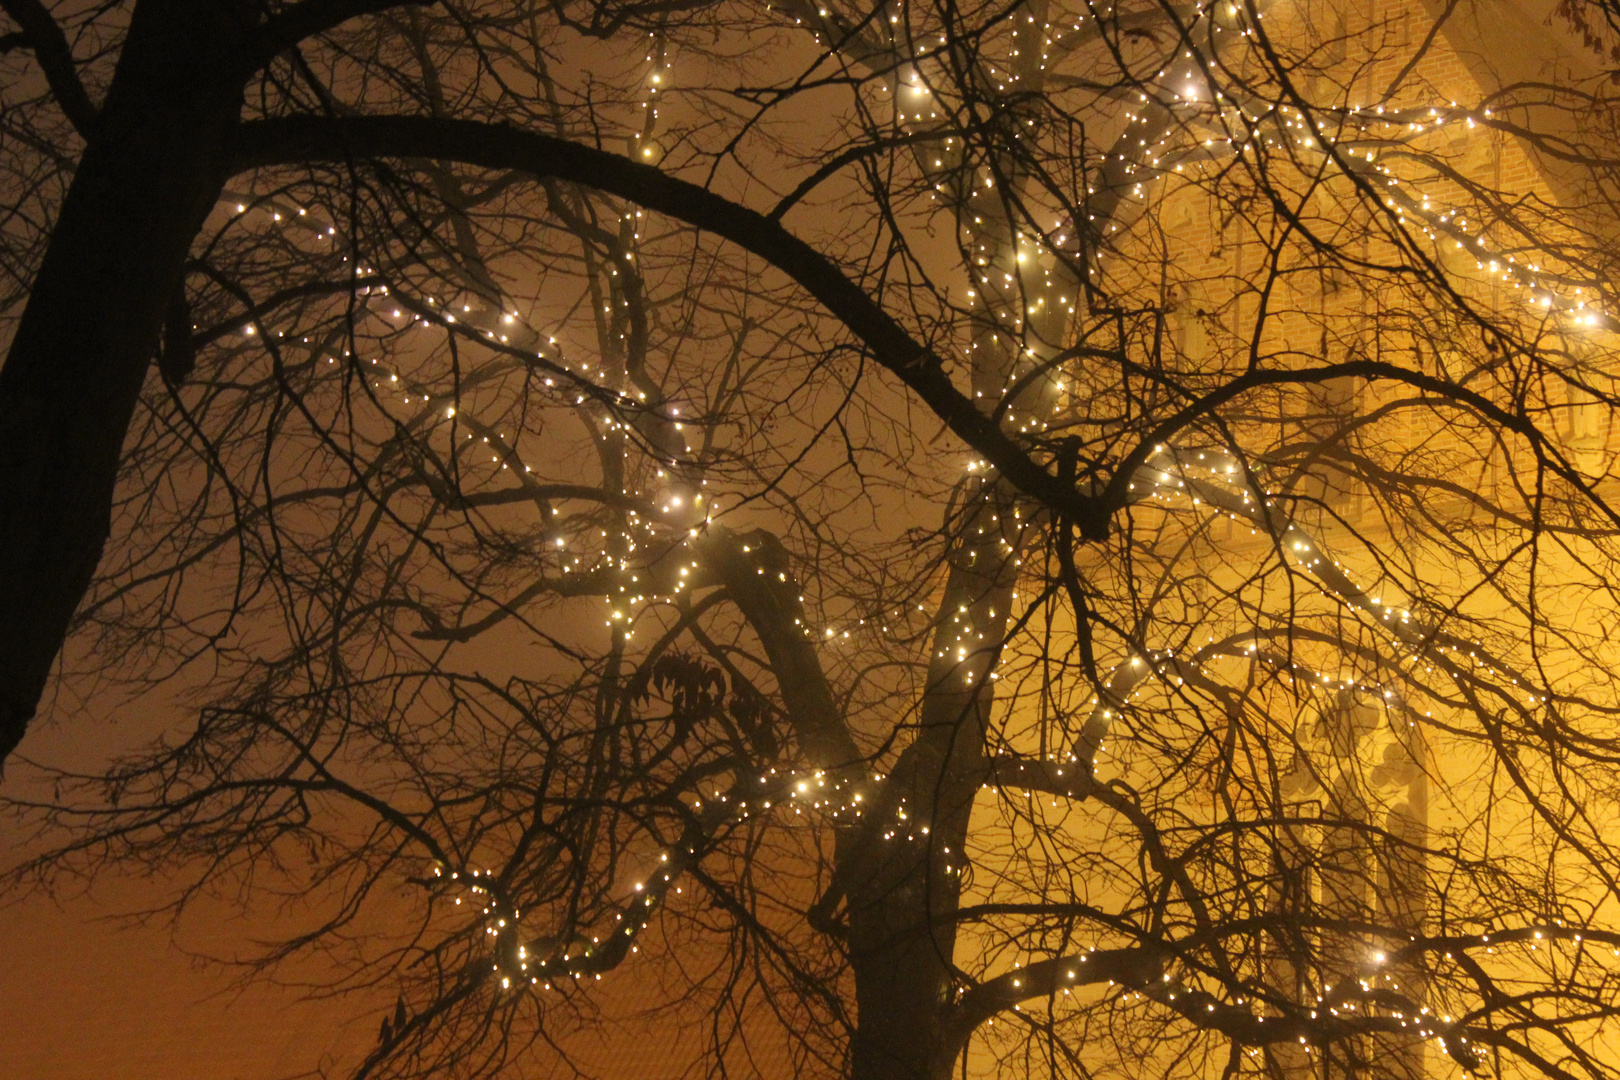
{"points": [[1054, 536]]}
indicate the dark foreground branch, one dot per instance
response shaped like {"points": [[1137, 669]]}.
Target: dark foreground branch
{"points": [[301, 139]]}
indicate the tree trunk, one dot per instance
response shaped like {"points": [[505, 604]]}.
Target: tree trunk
{"points": [[150, 174], [903, 911]]}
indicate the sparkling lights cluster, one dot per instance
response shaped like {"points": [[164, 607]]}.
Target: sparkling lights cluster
{"points": [[1182, 119]]}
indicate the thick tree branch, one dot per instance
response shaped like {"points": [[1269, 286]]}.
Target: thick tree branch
{"points": [[758, 582], [299, 139], [1134, 966], [141, 190], [1036, 774], [55, 58]]}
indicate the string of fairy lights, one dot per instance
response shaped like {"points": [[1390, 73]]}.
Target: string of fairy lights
{"points": [[1369, 143]]}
